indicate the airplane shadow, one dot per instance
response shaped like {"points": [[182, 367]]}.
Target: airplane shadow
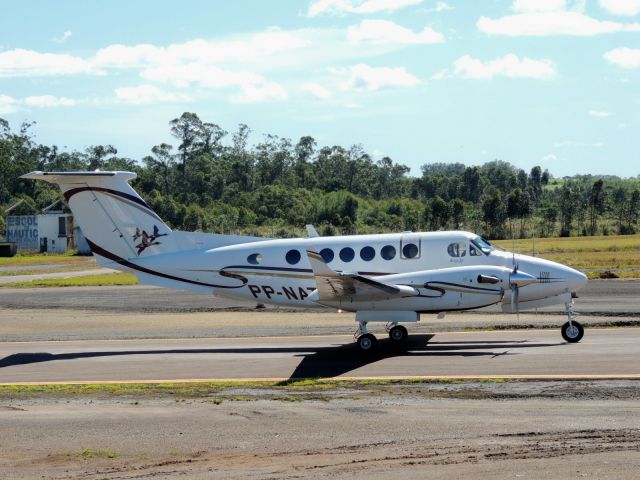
{"points": [[316, 362]]}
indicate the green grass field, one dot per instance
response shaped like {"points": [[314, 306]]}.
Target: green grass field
{"points": [[108, 279], [619, 254]]}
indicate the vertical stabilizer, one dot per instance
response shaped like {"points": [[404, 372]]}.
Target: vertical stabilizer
{"points": [[115, 220]]}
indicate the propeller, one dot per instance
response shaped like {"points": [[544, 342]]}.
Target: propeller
{"points": [[516, 280]]}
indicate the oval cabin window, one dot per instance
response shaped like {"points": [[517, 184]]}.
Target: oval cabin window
{"points": [[292, 257], [410, 250], [367, 254], [347, 254], [388, 252], [327, 255], [254, 259]]}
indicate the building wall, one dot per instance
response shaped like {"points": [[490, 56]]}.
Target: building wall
{"points": [[23, 230], [41, 232]]}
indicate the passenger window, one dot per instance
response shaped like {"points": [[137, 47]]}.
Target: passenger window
{"points": [[254, 259], [474, 252], [457, 249], [292, 257], [347, 254], [327, 255], [410, 250], [367, 254], [388, 252]]}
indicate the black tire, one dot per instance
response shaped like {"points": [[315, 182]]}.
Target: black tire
{"points": [[572, 333], [367, 342], [398, 334]]}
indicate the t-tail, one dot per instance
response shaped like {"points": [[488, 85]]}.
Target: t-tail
{"points": [[117, 223]]}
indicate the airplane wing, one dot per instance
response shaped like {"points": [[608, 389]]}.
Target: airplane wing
{"points": [[332, 285]]}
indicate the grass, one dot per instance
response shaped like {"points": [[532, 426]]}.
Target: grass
{"points": [[108, 279], [88, 453], [593, 255], [218, 391], [45, 258]]}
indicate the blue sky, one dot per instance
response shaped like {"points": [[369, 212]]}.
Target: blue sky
{"points": [[532, 82]]}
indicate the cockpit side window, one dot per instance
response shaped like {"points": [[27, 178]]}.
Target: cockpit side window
{"points": [[457, 249], [483, 245], [474, 251]]}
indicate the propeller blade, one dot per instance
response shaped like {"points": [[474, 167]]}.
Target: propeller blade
{"points": [[515, 299]]}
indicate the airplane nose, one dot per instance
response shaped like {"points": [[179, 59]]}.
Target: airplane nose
{"points": [[577, 279]]}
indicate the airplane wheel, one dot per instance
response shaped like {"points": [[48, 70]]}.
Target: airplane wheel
{"points": [[367, 342], [398, 334], [572, 333]]}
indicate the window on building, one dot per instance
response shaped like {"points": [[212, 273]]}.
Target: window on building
{"points": [[62, 226]]}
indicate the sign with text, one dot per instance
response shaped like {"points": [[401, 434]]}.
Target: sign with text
{"points": [[23, 230]]}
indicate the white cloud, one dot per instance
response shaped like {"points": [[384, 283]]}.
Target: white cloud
{"points": [[624, 57], [148, 94], [49, 101], [252, 48], [550, 157], [365, 77], [63, 38], [599, 113], [557, 22], [29, 63], [358, 6], [268, 92], [442, 7], [441, 74], [508, 66], [316, 90], [627, 8], [385, 32], [198, 74], [123, 56], [7, 104]]}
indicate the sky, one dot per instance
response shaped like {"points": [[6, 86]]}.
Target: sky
{"points": [[553, 83]]}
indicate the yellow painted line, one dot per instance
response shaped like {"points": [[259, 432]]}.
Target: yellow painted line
{"points": [[549, 377]]}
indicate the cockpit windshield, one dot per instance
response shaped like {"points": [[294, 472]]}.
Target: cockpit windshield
{"points": [[483, 245]]}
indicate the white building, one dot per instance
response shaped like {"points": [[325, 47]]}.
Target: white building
{"points": [[45, 232]]}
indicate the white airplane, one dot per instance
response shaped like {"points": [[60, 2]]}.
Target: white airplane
{"points": [[390, 278]]}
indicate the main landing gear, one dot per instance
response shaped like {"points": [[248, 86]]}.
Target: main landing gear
{"points": [[367, 342], [572, 331]]}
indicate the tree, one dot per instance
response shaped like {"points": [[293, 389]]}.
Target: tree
{"points": [[494, 212], [597, 203], [439, 210], [456, 207], [187, 128]]}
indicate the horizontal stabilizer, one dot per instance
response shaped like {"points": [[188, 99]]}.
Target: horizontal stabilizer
{"points": [[334, 286]]}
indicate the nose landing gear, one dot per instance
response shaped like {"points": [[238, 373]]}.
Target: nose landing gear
{"points": [[572, 331]]}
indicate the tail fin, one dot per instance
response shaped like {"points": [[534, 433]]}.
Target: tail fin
{"points": [[114, 219]]}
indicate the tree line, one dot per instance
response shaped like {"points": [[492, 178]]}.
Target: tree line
{"points": [[216, 181]]}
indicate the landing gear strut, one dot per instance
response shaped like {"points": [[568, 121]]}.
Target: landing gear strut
{"points": [[572, 331], [366, 341]]}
